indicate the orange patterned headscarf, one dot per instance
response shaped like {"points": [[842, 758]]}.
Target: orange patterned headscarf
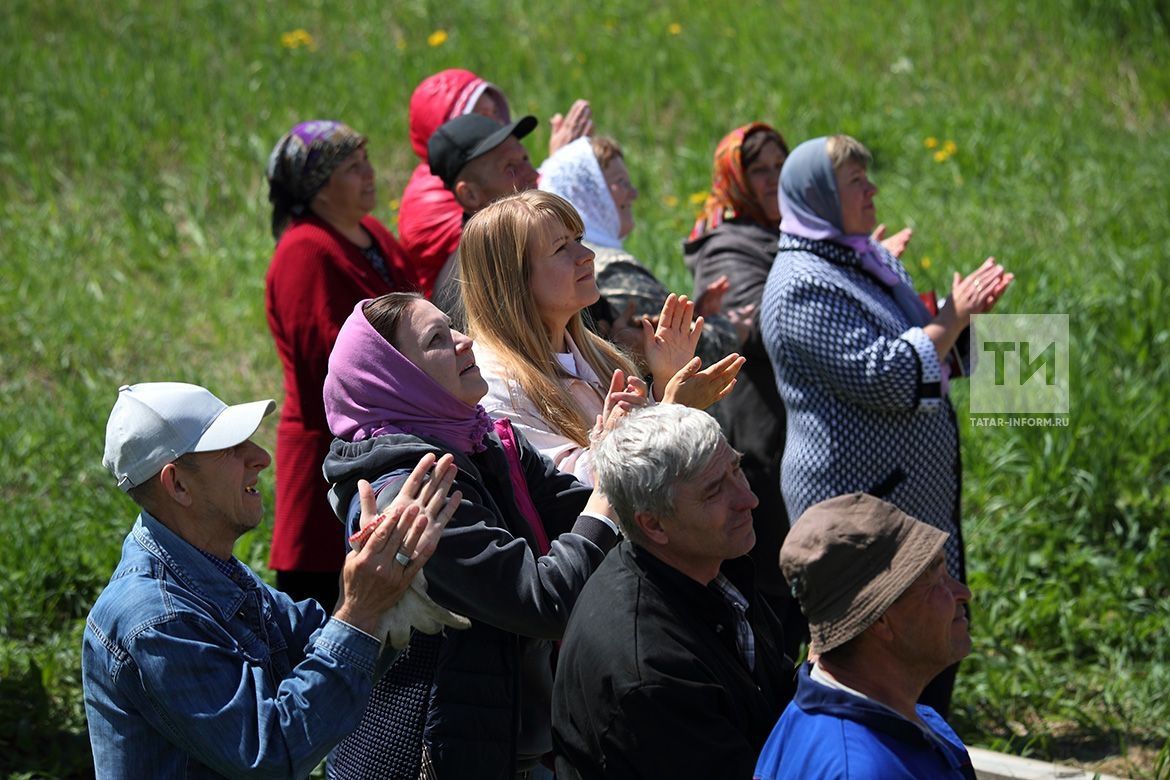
{"points": [[731, 195]]}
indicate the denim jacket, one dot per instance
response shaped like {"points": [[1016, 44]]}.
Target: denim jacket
{"points": [[189, 673]]}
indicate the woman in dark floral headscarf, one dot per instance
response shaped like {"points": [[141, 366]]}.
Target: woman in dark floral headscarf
{"points": [[330, 254]]}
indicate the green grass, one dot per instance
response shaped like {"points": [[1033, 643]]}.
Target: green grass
{"points": [[134, 240]]}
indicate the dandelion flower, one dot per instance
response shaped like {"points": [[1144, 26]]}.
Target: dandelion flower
{"points": [[437, 38], [949, 147], [394, 204], [925, 263], [295, 39], [674, 29], [670, 201], [931, 142], [610, 24], [941, 155], [698, 198]]}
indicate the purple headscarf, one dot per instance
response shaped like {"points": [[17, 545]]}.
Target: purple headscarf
{"points": [[300, 164], [373, 389]]}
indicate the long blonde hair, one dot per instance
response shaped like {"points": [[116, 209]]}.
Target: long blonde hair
{"points": [[495, 255]]}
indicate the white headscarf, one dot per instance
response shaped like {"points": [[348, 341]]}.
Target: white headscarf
{"points": [[574, 174]]}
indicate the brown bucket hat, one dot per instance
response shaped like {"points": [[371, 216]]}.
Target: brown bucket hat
{"points": [[849, 558]]}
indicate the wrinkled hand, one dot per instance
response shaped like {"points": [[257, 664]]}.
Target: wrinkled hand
{"points": [[373, 580], [565, 129], [672, 343], [742, 319], [979, 291], [895, 244], [625, 394], [699, 389], [711, 301]]}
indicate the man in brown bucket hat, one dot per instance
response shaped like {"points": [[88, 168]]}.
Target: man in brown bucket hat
{"points": [[884, 618]]}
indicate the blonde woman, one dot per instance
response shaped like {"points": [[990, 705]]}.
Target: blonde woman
{"points": [[527, 278]]}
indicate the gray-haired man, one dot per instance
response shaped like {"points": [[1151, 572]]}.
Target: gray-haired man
{"points": [[670, 666]]}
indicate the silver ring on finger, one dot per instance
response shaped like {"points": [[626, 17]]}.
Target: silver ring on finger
{"points": [[402, 558]]}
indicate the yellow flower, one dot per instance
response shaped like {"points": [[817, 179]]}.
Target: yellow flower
{"points": [[941, 155], [949, 147], [610, 24], [295, 39], [930, 142], [925, 263], [674, 29], [698, 198], [670, 201], [437, 38], [400, 43], [394, 204], [581, 57]]}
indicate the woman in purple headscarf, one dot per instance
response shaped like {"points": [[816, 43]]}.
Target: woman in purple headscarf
{"points": [[513, 559], [862, 365], [330, 253]]}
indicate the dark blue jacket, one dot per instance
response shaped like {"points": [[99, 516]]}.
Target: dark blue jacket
{"points": [[833, 735]]}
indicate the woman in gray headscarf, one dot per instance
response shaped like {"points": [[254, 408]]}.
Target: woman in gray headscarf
{"points": [[862, 365]]}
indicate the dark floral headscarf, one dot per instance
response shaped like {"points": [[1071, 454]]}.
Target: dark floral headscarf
{"points": [[300, 164], [731, 194]]}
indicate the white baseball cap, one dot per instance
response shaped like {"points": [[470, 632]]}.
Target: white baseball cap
{"points": [[155, 423]]}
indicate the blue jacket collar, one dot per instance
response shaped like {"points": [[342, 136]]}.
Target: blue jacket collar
{"points": [[817, 699], [188, 565]]}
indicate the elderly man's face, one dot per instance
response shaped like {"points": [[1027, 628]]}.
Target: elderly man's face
{"points": [[502, 171], [713, 513], [929, 620]]}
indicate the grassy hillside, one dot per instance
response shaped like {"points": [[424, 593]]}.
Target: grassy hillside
{"points": [[134, 239]]}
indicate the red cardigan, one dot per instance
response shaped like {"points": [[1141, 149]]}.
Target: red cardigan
{"points": [[316, 277]]}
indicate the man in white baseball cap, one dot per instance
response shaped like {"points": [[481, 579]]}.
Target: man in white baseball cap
{"points": [[191, 665]]}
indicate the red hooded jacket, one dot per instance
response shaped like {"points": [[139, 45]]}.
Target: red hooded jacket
{"points": [[430, 221]]}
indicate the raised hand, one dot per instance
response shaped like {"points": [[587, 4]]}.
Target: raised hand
{"points": [[671, 344], [386, 559], [624, 395], [711, 301], [980, 290], [565, 129], [895, 244], [699, 389]]}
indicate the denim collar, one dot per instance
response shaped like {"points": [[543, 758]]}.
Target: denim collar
{"points": [[189, 566]]}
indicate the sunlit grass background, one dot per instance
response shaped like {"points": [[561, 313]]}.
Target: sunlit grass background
{"points": [[134, 240]]}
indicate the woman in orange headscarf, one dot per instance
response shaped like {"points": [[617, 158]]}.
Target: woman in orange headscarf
{"points": [[735, 239]]}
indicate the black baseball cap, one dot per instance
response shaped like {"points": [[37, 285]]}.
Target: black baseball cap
{"points": [[467, 137]]}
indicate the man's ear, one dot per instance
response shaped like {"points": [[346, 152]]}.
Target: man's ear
{"points": [[882, 629], [468, 194], [174, 485], [652, 530]]}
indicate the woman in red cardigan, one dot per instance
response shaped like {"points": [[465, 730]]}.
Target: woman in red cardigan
{"points": [[330, 254]]}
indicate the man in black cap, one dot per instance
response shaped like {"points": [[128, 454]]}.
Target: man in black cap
{"points": [[479, 160], [884, 617]]}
